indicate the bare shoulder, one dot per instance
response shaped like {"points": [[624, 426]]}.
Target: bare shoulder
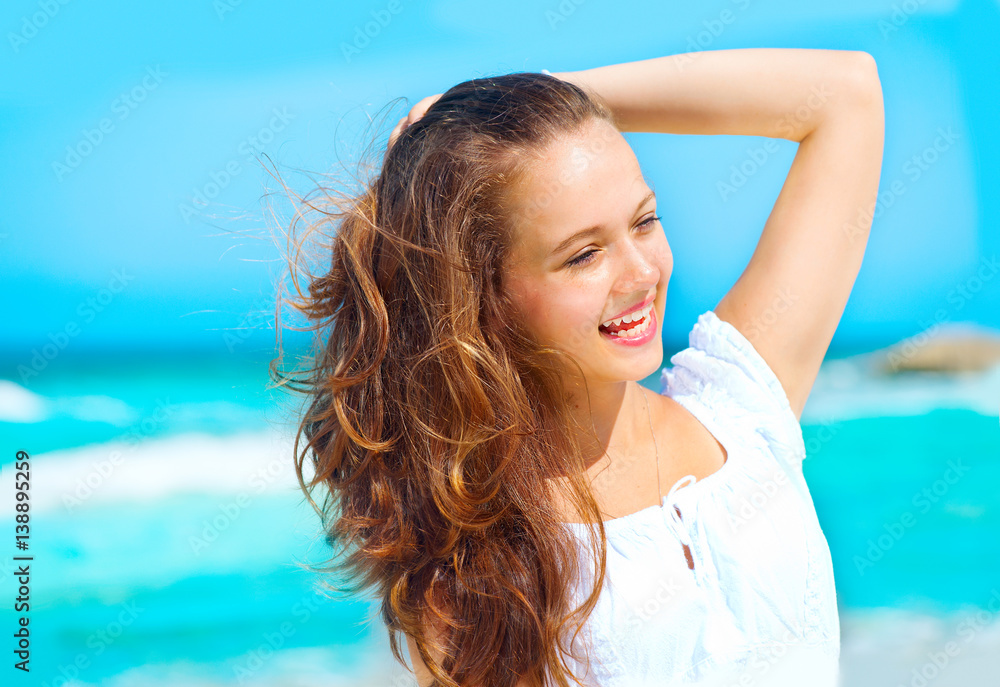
{"points": [[420, 671], [691, 448]]}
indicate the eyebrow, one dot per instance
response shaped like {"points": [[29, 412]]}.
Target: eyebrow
{"points": [[590, 231]]}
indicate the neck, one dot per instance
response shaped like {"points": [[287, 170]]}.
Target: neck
{"points": [[616, 413]]}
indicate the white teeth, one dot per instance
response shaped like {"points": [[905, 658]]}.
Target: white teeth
{"points": [[635, 331], [632, 317]]}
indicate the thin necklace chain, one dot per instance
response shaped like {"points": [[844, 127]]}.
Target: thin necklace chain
{"points": [[655, 447]]}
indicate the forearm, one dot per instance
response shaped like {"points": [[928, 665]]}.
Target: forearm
{"points": [[773, 92]]}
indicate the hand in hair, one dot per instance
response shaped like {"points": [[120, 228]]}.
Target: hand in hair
{"points": [[415, 113]]}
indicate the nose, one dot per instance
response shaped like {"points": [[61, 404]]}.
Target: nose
{"points": [[640, 269]]}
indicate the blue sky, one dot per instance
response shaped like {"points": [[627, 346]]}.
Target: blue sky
{"points": [[117, 116]]}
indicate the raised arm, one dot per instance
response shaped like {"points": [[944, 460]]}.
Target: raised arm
{"points": [[793, 292]]}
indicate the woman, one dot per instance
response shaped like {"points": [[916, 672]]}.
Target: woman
{"points": [[527, 512]]}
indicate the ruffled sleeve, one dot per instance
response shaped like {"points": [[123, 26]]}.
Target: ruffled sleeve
{"points": [[726, 374]]}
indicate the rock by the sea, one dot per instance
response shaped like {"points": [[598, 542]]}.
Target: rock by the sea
{"points": [[950, 347]]}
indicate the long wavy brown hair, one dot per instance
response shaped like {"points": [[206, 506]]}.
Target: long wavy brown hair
{"points": [[435, 425]]}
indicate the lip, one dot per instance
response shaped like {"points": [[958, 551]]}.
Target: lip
{"points": [[640, 340], [640, 306]]}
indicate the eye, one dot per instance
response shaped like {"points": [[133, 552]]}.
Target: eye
{"points": [[582, 260], [650, 221], [587, 257]]}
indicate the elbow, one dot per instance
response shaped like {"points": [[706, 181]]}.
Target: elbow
{"points": [[852, 95], [862, 78]]}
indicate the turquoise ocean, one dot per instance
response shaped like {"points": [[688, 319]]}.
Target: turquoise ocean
{"points": [[169, 536]]}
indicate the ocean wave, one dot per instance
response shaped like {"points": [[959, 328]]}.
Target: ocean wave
{"points": [[18, 404], [879, 647], [94, 408], [888, 646], [21, 405], [156, 468], [848, 389], [370, 665]]}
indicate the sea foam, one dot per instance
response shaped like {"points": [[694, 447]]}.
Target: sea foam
{"points": [[155, 468]]}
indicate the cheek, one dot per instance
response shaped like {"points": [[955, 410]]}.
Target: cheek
{"points": [[568, 317], [529, 303], [558, 316]]}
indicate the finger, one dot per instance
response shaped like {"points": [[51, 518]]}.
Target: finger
{"points": [[420, 109], [415, 113], [397, 130]]}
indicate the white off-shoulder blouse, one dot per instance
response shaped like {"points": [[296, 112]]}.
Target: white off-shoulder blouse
{"points": [[759, 608]]}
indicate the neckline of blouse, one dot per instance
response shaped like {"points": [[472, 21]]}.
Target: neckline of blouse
{"points": [[703, 415]]}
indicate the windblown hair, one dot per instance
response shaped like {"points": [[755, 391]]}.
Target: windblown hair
{"points": [[435, 424]]}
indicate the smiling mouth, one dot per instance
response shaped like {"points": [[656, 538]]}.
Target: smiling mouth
{"points": [[626, 327]]}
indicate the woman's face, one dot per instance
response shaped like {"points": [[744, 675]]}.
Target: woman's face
{"points": [[566, 284]]}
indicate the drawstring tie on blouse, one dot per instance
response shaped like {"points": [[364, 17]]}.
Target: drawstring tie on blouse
{"points": [[676, 524]]}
